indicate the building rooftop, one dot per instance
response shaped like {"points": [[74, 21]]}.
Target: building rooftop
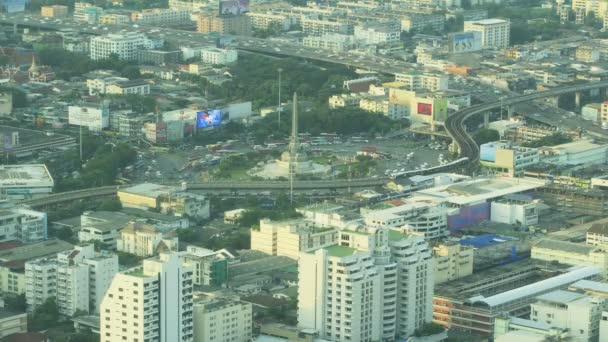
{"points": [[394, 235], [576, 146], [479, 189], [491, 21], [6, 313], [35, 250], [538, 287], [485, 240], [340, 251], [599, 228], [496, 280], [324, 207], [591, 286], [31, 175], [569, 247], [560, 297], [148, 189]]}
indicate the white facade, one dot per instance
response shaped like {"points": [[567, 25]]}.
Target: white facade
{"points": [[219, 56], [577, 312], [40, 281], [452, 261], [149, 303], [264, 21], [289, 238], [604, 326], [143, 240], [23, 225], [330, 41], [222, 320], [415, 81], [77, 278], [129, 88], [419, 217], [318, 27], [95, 117], [581, 152], [380, 290], [513, 212], [495, 33], [126, 46], [98, 85], [377, 34], [161, 16]]}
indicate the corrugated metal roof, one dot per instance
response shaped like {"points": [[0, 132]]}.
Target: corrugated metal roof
{"points": [[538, 288]]}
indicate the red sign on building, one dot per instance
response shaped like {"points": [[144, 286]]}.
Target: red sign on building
{"points": [[425, 108]]}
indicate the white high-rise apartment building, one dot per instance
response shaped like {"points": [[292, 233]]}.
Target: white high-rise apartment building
{"points": [[22, 224], [77, 278], [126, 46], [375, 284], [152, 302], [40, 281], [494, 32]]}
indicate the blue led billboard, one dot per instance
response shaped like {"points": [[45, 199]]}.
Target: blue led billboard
{"points": [[209, 118]]}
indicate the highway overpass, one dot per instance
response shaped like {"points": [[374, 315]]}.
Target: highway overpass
{"points": [[465, 143]]}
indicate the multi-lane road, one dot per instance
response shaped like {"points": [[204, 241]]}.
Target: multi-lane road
{"points": [[280, 47]]}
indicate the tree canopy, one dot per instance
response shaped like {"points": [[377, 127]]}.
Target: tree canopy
{"points": [[550, 140], [486, 135]]}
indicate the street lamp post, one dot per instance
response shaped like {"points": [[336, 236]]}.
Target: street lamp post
{"points": [[280, 108]]}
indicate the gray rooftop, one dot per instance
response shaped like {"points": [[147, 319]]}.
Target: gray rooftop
{"points": [[35, 250], [599, 228], [560, 297], [569, 247]]}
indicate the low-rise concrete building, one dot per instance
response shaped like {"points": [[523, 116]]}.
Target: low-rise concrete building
{"points": [[571, 253], [222, 319], [452, 261], [12, 323]]}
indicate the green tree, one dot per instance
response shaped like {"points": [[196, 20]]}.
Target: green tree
{"points": [[110, 205], [128, 260], [65, 233], [15, 303], [44, 316], [550, 140], [83, 336], [486, 135], [188, 235]]}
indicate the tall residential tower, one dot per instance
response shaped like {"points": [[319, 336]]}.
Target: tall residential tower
{"points": [[376, 284], [152, 302]]}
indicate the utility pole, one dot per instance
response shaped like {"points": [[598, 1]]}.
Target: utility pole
{"points": [[293, 147], [80, 133], [280, 109]]}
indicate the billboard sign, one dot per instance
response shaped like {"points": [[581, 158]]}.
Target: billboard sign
{"points": [[234, 7], [465, 42], [12, 6], [8, 142], [209, 118], [425, 108]]}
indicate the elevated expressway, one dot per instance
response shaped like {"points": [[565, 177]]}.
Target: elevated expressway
{"points": [[468, 149], [465, 144]]}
